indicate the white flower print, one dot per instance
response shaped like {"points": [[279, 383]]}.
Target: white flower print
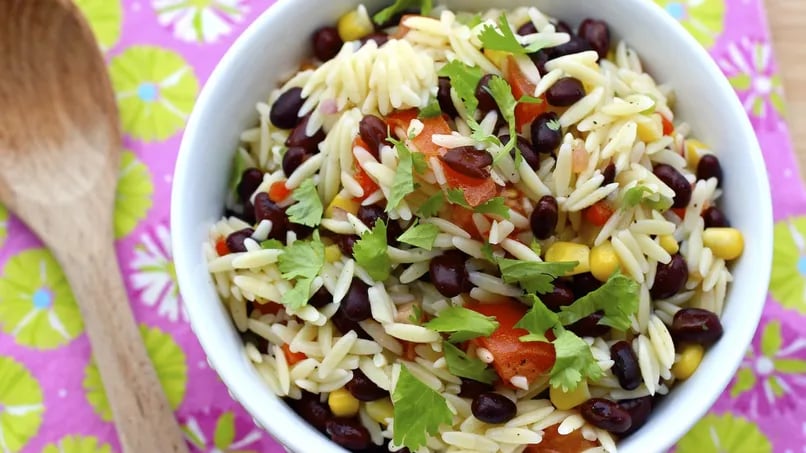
{"points": [[154, 275], [199, 20]]}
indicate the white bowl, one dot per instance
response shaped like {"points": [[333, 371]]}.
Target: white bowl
{"points": [[273, 46]]}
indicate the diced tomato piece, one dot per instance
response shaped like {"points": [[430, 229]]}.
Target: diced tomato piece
{"points": [[403, 30], [525, 112], [278, 192], [292, 358], [269, 308], [681, 212], [221, 247], [476, 191], [599, 213], [554, 442], [512, 357], [463, 218], [668, 127], [408, 351], [367, 184]]}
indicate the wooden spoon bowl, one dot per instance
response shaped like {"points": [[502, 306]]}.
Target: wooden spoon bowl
{"points": [[59, 154]]}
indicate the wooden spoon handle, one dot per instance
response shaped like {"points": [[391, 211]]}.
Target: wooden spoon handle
{"points": [[144, 420]]}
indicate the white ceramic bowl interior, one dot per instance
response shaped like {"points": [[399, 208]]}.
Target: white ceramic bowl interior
{"points": [[272, 48]]}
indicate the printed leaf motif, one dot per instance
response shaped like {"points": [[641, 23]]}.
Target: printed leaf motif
{"points": [[200, 21], [77, 444], [105, 18], [724, 433], [21, 405], [134, 194], [224, 431]]}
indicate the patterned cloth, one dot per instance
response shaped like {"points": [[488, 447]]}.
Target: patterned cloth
{"points": [[159, 53]]}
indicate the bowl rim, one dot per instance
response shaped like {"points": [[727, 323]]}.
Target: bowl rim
{"points": [[190, 274]]}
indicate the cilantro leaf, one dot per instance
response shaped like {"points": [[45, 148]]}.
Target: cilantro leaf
{"points": [[418, 411], [457, 196], [487, 251], [272, 244], [464, 80], [371, 252], [418, 163], [496, 206], [534, 277], [416, 315], [535, 246], [459, 364], [463, 323], [646, 196], [404, 180], [308, 209], [420, 235], [618, 298], [302, 261], [386, 14], [574, 361], [431, 110], [471, 20], [554, 125], [432, 206], [538, 320], [504, 39], [501, 91]]}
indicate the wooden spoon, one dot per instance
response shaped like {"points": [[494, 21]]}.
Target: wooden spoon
{"points": [[59, 151]]}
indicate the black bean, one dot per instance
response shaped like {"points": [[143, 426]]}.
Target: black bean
{"points": [[493, 408], [312, 410], [546, 133], [285, 110], [265, 209], [486, 100], [677, 182], [715, 218], [527, 29], [248, 212], [639, 410], [669, 278], [302, 231], [448, 273], [346, 243], [345, 325], [320, 298], [471, 388], [260, 343], [379, 37], [445, 99], [527, 152], [326, 43], [562, 295], [585, 283], [356, 303], [589, 326], [695, 325], [625, 365], [373, 131], [544, 217], [369, 215], [363, 389], [250, 181], [609, 174], [293, 158], [563, 27], [540, 58], [469, 161], [235, 241], [300, 138], [606, 415], [348, 433], [597, 34], [575, 45], [709, 167], [565, 92]]}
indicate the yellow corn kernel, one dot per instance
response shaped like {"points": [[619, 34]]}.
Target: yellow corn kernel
{"points": [[690, 358], [695, 149], [603, 261], [380, 410], [568, 400], [332, 253], [650, 128], [344, 203], [342, 403], [354, 25], [725, 243], [570, 251], [669, 244], [497, 57]]}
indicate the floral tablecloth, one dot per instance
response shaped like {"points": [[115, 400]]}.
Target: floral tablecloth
{"points": [[160, 52]]}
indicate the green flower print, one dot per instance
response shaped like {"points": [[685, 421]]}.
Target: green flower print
{"points": [[20, 405], [105, 18], [751, 71], [77, 444], [704, 19], [155, 89], [37, 306], [725, 433], [3, 225], [212, 431], [134, 194], [199, 20], [788, 278], [169, 361]]}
